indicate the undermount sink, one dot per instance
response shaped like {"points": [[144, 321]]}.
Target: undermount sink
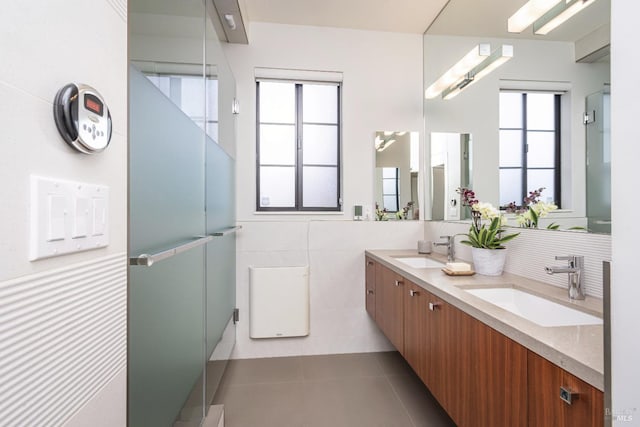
{"points": [[420, 262], [534, 308]]}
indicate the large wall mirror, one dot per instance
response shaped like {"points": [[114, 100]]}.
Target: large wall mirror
{"points": [[541, 119], [397, 175]]}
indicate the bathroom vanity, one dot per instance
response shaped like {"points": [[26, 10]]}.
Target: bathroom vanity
{"points": [[486, 365]]}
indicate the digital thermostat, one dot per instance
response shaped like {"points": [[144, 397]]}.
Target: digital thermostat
{"points": [[82, 118]]}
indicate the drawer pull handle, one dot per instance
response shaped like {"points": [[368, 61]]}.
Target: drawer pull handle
{"points": [[370, 291], [399, 282], [369, 262], [413, 293], [434, 305], [567, 395]]}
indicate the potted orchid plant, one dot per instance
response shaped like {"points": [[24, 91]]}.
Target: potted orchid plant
{"points": [[487, 238]]}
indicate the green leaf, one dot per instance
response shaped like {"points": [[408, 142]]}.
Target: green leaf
{"points": [[534, 217], [553, 226]]}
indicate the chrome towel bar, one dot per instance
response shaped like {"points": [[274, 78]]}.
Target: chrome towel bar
{"points": [[147, 260]]}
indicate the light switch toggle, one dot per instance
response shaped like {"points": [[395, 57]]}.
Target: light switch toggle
{"points": [[99, 216], [57, 217], [81, 218]]}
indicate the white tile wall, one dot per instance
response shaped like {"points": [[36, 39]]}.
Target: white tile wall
{"points": [[334, 250], [533, 250]]}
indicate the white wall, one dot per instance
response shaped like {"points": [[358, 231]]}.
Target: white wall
{"points": [[382, 81], [476, 109], [68, 309], [625, 152]]}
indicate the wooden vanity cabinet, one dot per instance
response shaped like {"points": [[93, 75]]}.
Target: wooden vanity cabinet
{"points": [[370, 287], [480, 377], [416, 326], [389, 302], [547, 409]]}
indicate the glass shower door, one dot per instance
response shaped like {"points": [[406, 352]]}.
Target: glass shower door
{"points": [[166, 288], [598, 130]]}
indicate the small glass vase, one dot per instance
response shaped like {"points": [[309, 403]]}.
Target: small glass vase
{"points": [[489, 262]]}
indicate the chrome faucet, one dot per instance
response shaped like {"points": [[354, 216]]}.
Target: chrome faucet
{"points": [[575, 269], [450, 244]]}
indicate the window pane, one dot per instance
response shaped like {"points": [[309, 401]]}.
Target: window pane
{"points": [[277, 145], [320, 103], [389, 186], [277, 186], [510, 110], [389, 172], [542, 150], [390, 203], [212, 100], [510, 186], [510, 148], [320, 187], [537, 178], [277, 102], [192, 96], [320, 144], [540, 111]]}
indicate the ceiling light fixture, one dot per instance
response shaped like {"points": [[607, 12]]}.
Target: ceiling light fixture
{"points": [[559, 14], [529, 13], [493, 61], [459, 70]]}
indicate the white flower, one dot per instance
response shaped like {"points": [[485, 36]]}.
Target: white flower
{"points": [[487, 211], [543, 208]]}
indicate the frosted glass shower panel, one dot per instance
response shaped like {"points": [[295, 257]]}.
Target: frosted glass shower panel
{"points": [[166, 319]]}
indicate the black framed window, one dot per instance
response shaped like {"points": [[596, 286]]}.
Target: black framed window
{"points": [[529, 146], [298, 146]]}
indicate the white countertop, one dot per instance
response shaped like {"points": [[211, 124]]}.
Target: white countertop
{"points": [[577, 349]]}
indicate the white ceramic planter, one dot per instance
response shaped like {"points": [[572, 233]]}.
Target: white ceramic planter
{"points": [[489, 262]]}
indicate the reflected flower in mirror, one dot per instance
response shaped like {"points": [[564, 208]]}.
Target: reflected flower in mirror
{"points": [[532, 209]]}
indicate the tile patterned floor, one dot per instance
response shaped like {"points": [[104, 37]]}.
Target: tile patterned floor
{"points": [[347, 390]]}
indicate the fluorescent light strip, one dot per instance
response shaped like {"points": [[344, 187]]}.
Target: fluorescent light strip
{"points": [[462, 67], [559, 14], [529, 13], [496, 59]]}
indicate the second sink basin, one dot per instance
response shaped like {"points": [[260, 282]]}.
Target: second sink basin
{"points": [[420, 262], [538, 310]]}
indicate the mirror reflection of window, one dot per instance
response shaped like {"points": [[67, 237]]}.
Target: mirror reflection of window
{"points": [[529, 146], [390, 193]]}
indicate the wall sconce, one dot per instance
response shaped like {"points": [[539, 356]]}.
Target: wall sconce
{"points": [[493, 61], [459, 70], [529, 13], [559, 14]]}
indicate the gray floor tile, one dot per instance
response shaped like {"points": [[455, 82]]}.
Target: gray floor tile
{"points": [[422, 407], [260, 371], [340, 366], [263, 405], [393, 363], [347, 390], [353, 402]]}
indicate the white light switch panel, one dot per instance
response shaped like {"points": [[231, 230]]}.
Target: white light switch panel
{"points": [[67, 216]]}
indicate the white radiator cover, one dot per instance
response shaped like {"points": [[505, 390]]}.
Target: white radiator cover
{"points": [[278, 302]]}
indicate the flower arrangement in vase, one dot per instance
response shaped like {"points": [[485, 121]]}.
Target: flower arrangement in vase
{"points": [[486, 239]]}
